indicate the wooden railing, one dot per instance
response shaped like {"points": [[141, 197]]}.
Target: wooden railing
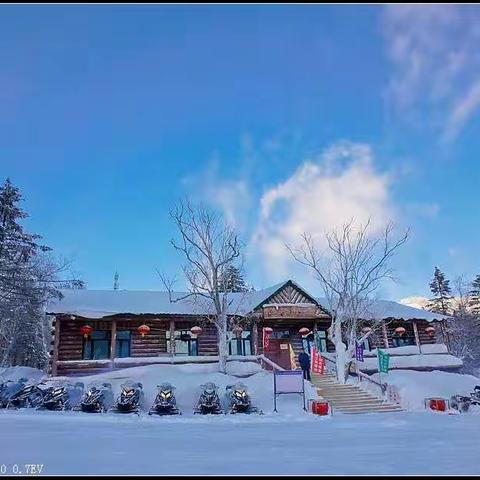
{"points": [[266, 361]]}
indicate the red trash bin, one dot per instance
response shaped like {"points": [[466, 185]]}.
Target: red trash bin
{"points": [[438, 404], [320, 407]]}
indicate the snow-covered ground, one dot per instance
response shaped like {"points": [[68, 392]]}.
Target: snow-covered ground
{"points": [[289, 442], [394, 443], [414, 387]]}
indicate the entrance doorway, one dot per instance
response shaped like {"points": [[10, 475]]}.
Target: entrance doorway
{"points": [[278, 350]]}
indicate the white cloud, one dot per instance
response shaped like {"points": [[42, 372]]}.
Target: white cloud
{"points": [[340, 184], [436, 64]]}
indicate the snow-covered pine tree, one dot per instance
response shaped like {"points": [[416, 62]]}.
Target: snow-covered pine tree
{"points": [[474, 300], [232, 280], [28, 279], [463, 327], [441, 290]]}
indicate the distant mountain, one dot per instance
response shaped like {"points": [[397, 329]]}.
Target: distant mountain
{"points": [[417, 302]]}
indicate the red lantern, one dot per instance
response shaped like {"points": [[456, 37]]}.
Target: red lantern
{"points": [[86, 330], [304, 331], [196, 330], [268, 330], [143, 330], [399, 330], [430, 331]]}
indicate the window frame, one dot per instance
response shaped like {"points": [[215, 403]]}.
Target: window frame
{"points": [[92, 341]]}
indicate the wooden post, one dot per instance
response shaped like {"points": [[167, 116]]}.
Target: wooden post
{"points": [[172, 338], [56, 341], [417, 336], [385, 335], [113, 342]]}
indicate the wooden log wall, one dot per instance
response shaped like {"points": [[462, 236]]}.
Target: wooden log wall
{"points": [[293, 327], [377, 337], [208, 341], [70, 345], [426, 339]]}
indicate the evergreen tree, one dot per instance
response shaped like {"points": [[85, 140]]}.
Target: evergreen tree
{"points": [[474, 301], [28, 279], [442, 293], [232, 280]]}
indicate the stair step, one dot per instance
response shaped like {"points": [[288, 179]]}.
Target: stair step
{"points": [[367, 408]]}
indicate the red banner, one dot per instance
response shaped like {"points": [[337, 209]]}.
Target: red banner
{"points": [[317, 363], [266, 340]]}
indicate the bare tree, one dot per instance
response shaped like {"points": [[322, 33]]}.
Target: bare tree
{"points": [[350, 271], [209, 246]]}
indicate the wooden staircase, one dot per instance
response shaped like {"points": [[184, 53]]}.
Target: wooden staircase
{"points": [[349, 398], [297, 347]]}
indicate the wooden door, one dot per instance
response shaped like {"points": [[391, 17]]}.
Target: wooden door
{"points": [[279, 352]]}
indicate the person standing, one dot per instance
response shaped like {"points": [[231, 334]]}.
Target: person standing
{"points": [[304, 361]]}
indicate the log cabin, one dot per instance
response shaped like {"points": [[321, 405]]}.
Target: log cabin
{"points": [[97, 330]]}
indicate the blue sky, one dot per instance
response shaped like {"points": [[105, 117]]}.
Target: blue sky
{"points": [[283, 117]]}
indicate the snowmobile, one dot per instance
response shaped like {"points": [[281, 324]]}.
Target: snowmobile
{"points": [[209, 402], [29, 394], [60, 396], [8, 388], [97, 399], [475, 396], [130, 398], [165, 402], [460, 403], [238, 399]]}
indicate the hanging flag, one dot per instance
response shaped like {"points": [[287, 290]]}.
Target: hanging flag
{"points": [[383, 361], [317, 341], [317, 364], [266, 339], [359, 352]]}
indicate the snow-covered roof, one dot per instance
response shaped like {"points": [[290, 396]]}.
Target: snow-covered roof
{"points": [[104, 303], [391, 309]]}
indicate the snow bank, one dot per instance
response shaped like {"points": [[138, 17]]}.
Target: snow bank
{"points": [[187, 379], [14, 373], [410, 350], [414, 386], [168, 359], [414, 361]]}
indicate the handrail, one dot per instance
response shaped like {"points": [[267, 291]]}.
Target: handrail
{"points": [[269, 362], [362, 375]]}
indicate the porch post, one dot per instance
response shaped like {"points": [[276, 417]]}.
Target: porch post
{"points": [[56, 341], [417, 336], [172, 337], [385, 334], [113, 341]]}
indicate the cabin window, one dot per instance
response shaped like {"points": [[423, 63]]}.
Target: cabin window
{"points": [[186, 343], [309, 341], [278, 335], [408, 338], [241, 345], [122, 348], [97, 345]]}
